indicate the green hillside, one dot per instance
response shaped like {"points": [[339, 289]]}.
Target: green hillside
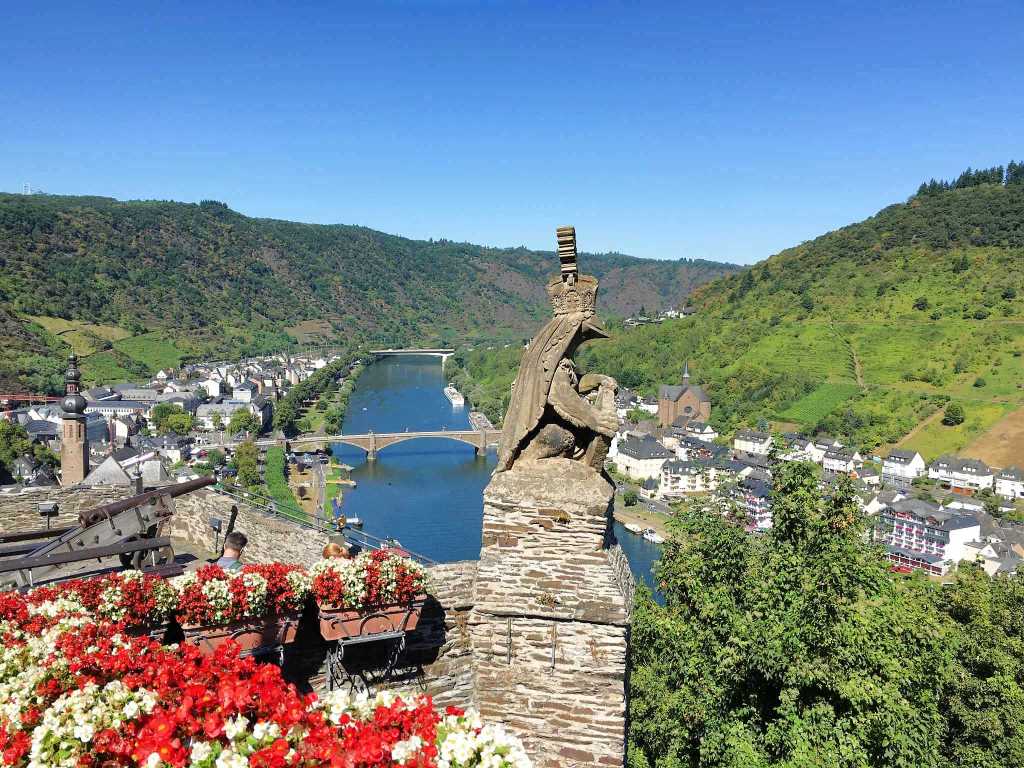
{"points": [[862, 332], [135, 286]]}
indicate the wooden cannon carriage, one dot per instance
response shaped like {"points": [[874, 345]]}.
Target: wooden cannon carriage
{"points": [[129, 530]]}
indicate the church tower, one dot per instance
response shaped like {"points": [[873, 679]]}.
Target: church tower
{"points": [[74, 445]]}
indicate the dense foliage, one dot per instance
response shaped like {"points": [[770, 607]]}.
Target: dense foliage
{"points": [[15, 444], [800, 648], [288, 410], [208, 280], [861, 333]]}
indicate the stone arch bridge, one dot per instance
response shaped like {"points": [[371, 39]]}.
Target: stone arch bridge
{"points": [[372, 442]]}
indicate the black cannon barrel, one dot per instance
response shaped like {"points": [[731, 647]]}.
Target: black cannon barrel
{"points": [[89, 516]]}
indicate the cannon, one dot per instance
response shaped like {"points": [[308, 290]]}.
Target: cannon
{"points": [[128, 529]]}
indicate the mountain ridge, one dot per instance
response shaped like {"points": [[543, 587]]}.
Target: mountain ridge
{"points": [[208, 280]]}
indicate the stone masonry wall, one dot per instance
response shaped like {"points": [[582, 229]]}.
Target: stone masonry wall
{"points": [[550, 625], [271, 539], [20, 511]]}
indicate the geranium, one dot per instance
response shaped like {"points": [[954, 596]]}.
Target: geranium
{"points": [[371, 580], [136, 599], [391, 578], [213, 596], [80, 694], [287, 585]]}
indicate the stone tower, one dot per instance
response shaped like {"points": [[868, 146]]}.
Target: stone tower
{"points": [[74, 444], [550, 622]]}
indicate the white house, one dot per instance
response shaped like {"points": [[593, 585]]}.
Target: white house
{"points": [[1009, 483], [961, 475], [211, 386], [205, 413], [752, 441], [838, 461], [639, 455], [900, 468], [699, 430], [244, 392]]}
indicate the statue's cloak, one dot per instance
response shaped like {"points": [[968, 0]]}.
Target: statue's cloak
{"points": [[533, 382]]}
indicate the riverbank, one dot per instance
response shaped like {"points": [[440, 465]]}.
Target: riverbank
{"points": [[641, 516]]}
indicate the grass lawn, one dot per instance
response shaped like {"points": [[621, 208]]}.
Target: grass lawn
{"points": [[810, 409], [937, 438], [104, 367], [84, 338], [154, 350], [277, 484]]}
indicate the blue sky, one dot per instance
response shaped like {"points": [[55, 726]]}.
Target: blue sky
{"points": [[716, 130]]}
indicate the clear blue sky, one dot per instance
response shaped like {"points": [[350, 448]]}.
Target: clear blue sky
{"points": [[714, 130]]}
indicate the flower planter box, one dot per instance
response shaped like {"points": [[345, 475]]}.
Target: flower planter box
{"points": [[157, 632], [255, 633], [338, 623]]}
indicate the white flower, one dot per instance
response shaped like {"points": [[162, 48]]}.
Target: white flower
{"points": [[200, 751], [235, 727]]}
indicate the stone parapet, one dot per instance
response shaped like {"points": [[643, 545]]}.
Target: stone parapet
{"points": [[19, 511], [550, 624]]}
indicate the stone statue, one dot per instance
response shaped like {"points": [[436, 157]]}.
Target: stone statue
{"points": [[554, 413]]}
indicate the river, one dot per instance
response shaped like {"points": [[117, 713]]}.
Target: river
{"points": [[427, 493]]}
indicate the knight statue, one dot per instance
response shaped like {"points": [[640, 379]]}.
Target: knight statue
{"points": [[555, 413]]}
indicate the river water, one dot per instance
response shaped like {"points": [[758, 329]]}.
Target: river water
{"points": [[427, 493]]}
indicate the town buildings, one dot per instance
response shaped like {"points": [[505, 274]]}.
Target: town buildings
{"points": [[638, 455], [966, 476]]}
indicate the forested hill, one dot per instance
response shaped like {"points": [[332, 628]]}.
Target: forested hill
{"points": [[193, 279], [862, 332]]}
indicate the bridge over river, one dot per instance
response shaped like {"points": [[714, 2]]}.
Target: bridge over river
{"points": [[372, 442]]}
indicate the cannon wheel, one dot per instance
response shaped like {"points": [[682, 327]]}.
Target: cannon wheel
{"points": [[133, 560]]}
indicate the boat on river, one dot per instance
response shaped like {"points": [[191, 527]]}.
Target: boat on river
{"points": [[652, 536], [455, 396], [633, 528]]}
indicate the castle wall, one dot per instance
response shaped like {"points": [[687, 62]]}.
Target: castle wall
{"points": [[271, 539], [20, 511]]}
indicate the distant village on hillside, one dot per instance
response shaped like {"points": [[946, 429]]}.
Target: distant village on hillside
{"points": [[224, 402], [928, 516]]}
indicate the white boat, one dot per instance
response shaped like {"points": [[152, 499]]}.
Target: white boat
{"points": [[651, 536], [633, 528], [455, 396]]}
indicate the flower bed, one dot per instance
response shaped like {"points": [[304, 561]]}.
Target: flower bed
{"points": [[374, 593], [76, 692]]}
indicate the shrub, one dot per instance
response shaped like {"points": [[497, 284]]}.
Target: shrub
{"points": [[953, 415], [980, 382]]}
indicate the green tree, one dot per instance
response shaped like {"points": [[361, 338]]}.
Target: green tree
{"points": [[246, 462], [217, 420], [797, 648], [14, 444], [629, 497], [159, 415], [180, 423], [953, 415], [244, 420]]}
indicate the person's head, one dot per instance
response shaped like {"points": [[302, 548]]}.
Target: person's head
{"points": [[334, 549], [234, 543]]}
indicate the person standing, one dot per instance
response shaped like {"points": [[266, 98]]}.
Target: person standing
{"points": [[234, 544]]}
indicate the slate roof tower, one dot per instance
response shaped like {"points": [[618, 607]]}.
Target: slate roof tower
{"points": [[74, 443]]}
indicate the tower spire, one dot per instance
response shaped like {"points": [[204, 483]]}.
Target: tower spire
{"points": [[74, 445], [686, 373]]}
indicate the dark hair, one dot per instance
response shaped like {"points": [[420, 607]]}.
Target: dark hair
{"points": [[235, 540]]}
